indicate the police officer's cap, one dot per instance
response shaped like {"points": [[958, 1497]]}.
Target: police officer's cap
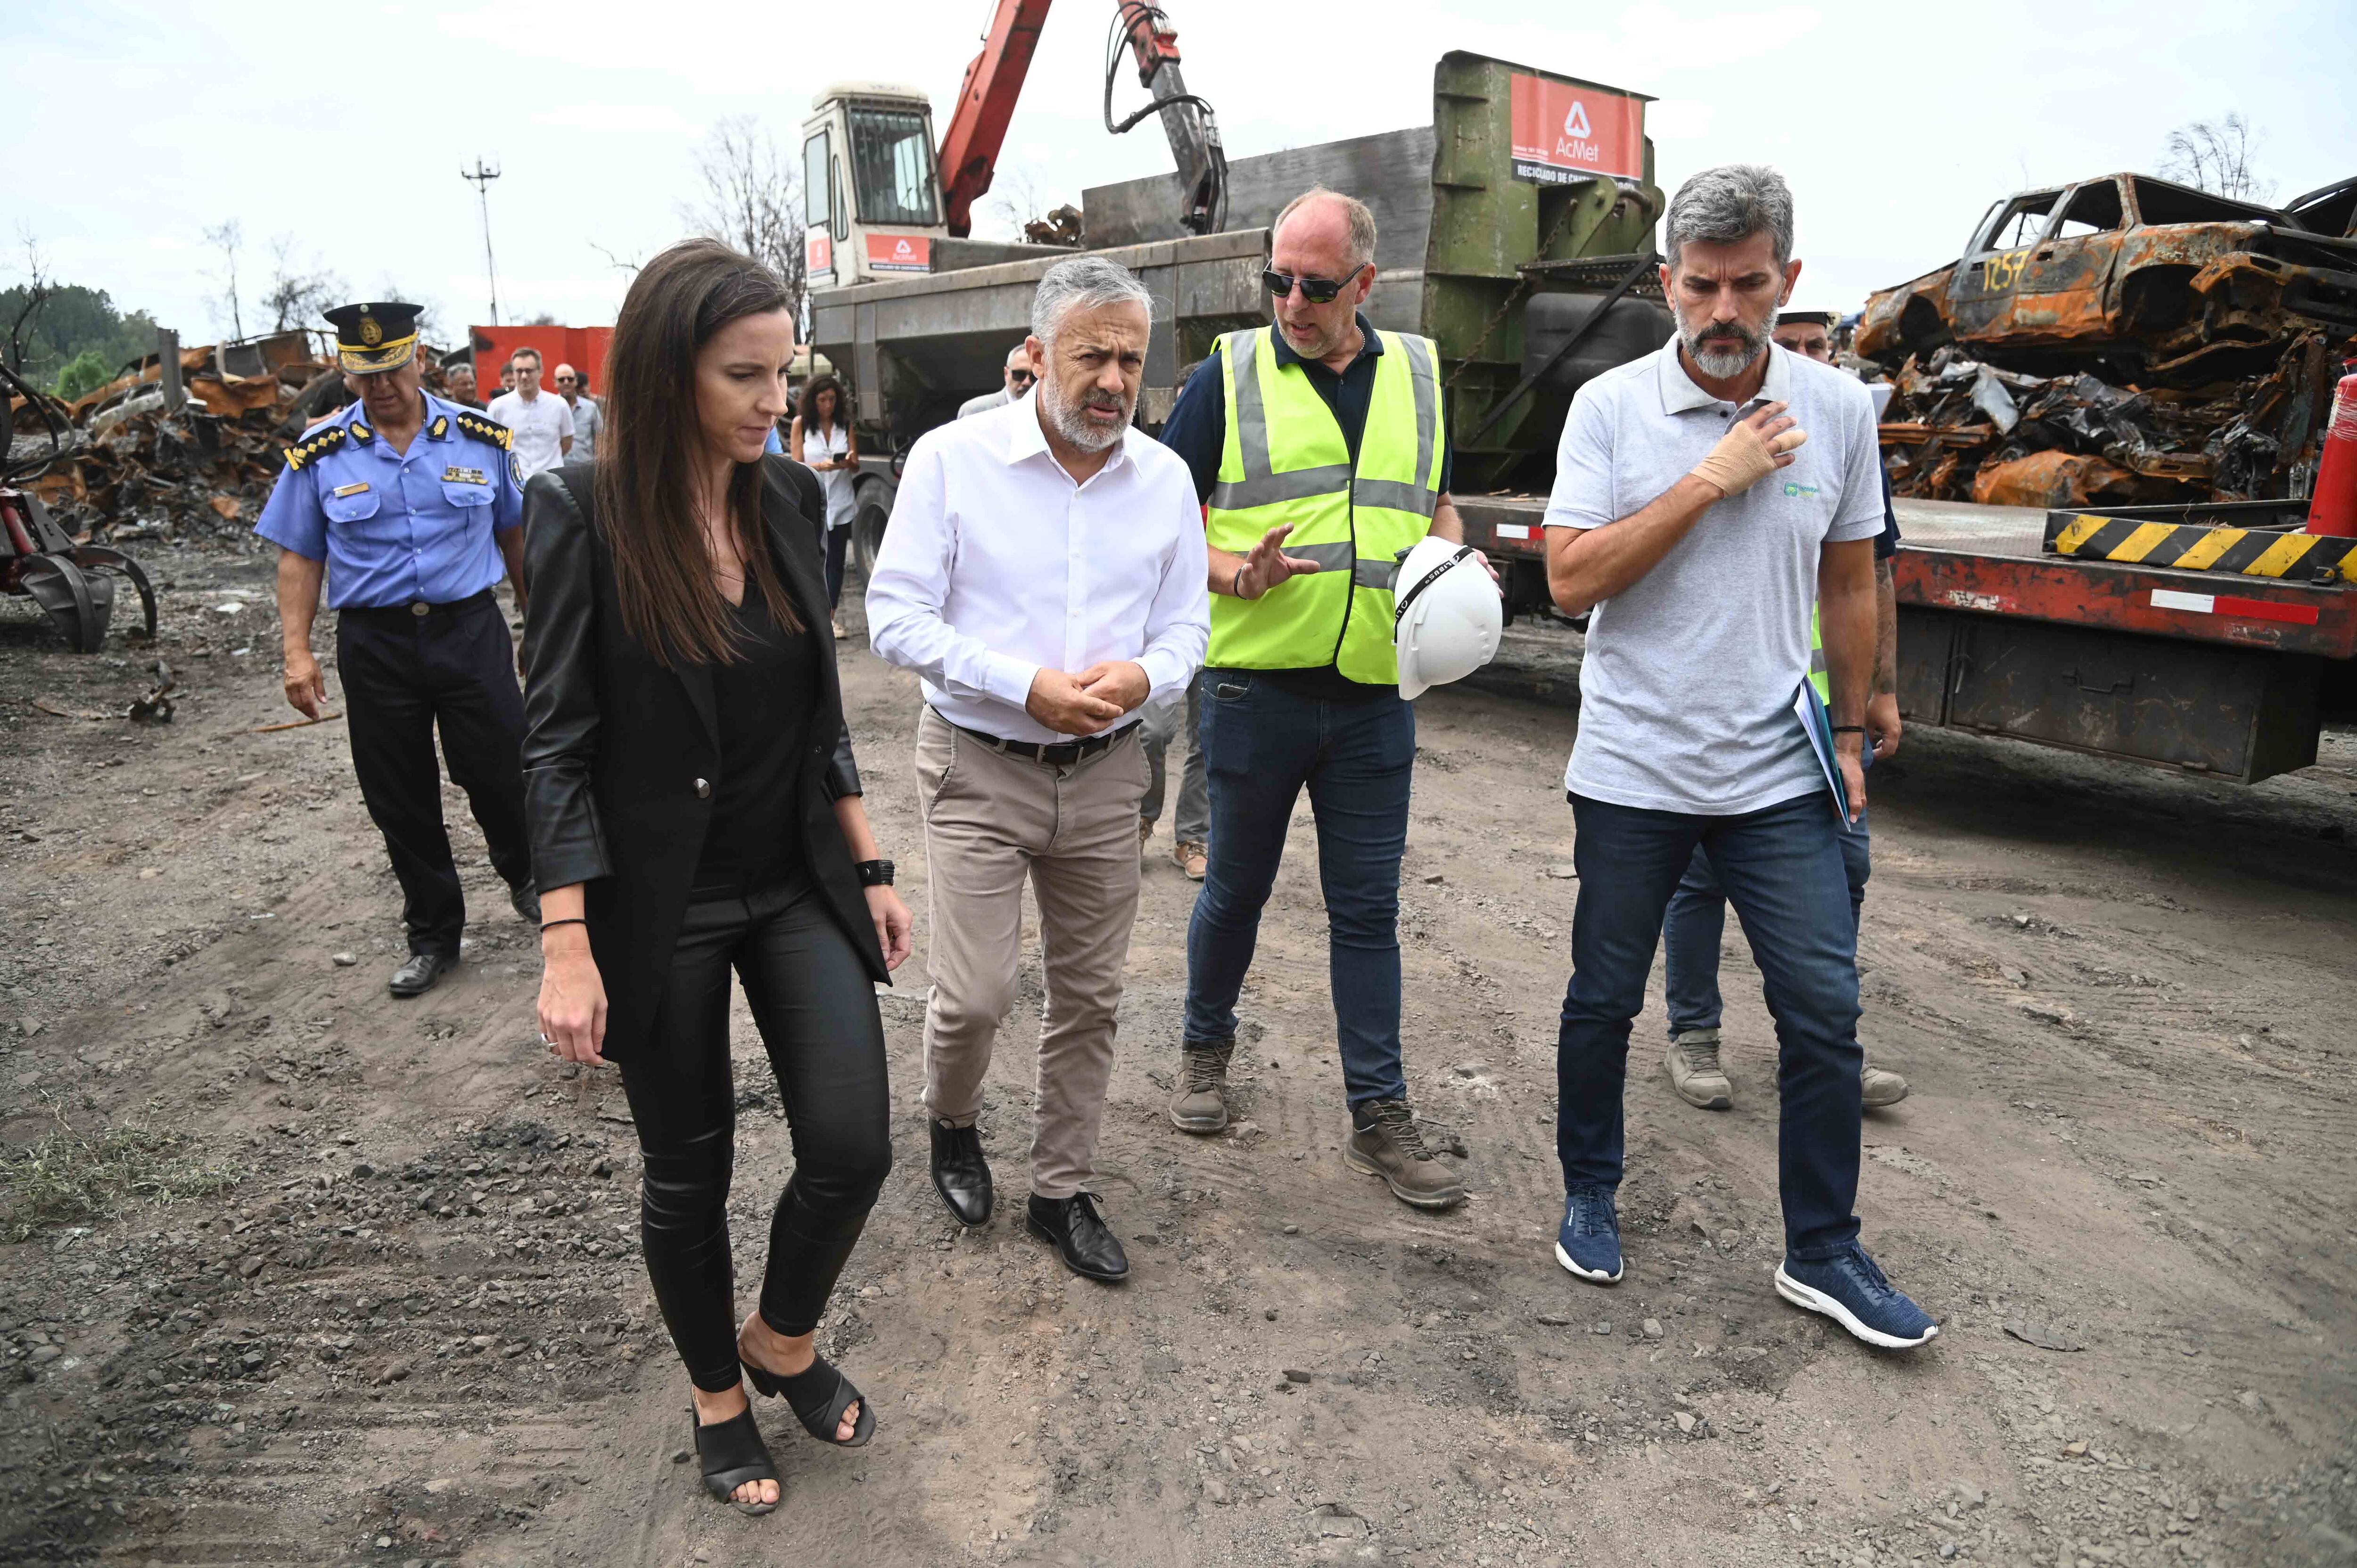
{"points": [[379, 336], [1823, 319]]}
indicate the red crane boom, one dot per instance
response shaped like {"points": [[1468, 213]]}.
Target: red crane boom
{"points": [[969, 151]]}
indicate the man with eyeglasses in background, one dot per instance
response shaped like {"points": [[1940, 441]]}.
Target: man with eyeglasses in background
{"points": [[1317, 445], [542, 424], [588, 419], [1019, 376]]}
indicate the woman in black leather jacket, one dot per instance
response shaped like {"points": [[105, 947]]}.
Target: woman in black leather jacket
{"points": [[695, 808]]}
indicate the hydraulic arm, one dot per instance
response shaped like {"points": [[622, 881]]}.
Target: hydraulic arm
{"points": [[969, 151]]}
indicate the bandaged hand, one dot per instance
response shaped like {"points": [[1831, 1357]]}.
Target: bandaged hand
{"points": [[1752, 450]]}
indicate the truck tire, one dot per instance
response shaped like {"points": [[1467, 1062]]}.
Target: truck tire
{"points": [[871, 511]]}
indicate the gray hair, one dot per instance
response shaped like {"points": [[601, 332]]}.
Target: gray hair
{"points": [[1083, 282], [1361, 222], [1732, 202]]}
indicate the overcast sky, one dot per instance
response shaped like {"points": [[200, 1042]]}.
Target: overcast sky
{"points": [[345, 127]]}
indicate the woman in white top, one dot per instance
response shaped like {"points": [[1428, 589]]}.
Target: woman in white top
{"points": [[827, 445]]}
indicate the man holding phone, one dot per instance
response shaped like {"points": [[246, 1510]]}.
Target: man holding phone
{"points": [[1705, 497]]}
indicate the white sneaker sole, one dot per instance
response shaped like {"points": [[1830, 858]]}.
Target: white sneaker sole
{"points": [[1817, 1301], [1592, 1276]]}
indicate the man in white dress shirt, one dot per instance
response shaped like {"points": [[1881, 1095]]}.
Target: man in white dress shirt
{"points": [[1045, 573]]}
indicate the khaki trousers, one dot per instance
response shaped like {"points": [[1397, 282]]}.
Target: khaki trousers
{"points": [[990, 820]]}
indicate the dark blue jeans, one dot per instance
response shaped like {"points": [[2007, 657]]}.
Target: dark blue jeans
{"points": [[1261, 746], [1781, 868], [1697, 919]]}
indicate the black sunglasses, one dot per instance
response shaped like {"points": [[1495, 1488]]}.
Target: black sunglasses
{"points": [[1316, 291], [1021, 378]]}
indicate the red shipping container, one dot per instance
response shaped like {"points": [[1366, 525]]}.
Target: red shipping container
{"points": [[583, 348]]}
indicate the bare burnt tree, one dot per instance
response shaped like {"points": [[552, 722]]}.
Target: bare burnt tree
{"points": [[39, 287], [2216, 155], [229, 239], [751, 200], [295, 298]]}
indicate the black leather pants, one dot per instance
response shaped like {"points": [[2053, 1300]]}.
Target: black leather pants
{"points": [[815, 1009]]}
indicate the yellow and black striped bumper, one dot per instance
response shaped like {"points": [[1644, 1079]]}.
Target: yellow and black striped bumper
{"points": [[2189, 547]]}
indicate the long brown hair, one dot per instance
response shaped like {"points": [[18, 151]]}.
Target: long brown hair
{"points": [[649, 457], [809, 404]]}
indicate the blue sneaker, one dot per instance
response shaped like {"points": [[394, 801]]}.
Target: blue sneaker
{"points": [[1588, 1244], [1848, 1288]]}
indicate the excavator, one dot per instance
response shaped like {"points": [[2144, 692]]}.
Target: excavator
{"points": [[881, 200]]}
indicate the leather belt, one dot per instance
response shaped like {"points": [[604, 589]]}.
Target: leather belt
{"points": [[1055, 754], [419, 609]]}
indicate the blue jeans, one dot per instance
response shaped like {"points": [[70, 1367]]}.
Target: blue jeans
{"points": [[1162, 722], [1697, 919], [1781, 868], [1261, 746]]}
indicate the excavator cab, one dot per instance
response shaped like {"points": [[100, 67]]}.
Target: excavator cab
{"points": [[871, 184]]}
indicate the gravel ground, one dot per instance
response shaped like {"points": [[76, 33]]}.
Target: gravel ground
{"points": [[308, 1275]]}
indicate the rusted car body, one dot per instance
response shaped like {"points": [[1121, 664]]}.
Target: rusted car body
{"points": [[2150, 281]]}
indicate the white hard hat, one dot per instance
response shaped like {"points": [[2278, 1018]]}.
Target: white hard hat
{"points": [[1449, 615]]}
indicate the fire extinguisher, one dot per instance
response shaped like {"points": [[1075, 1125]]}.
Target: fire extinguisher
{"points": [[2332, 509]]}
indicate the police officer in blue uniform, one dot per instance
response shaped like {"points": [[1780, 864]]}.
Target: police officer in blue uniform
{"points": [[410, 509]]}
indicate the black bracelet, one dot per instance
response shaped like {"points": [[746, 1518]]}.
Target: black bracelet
{"points": [[875, 873], [569, 920], [1849, 729]]}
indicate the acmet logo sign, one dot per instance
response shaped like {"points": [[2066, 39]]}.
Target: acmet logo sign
{"points": [[1563, 132]]}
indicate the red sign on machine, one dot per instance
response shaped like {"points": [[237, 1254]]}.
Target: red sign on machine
{"points": [[899, 254], [1563, 132], [818, 254]]}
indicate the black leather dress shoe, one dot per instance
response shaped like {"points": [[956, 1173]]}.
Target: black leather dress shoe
{"points": [[526, 900], [960, 1173], [1072, 1224], [417, 977]]}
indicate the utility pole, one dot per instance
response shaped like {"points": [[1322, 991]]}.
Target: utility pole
{"points": [[480, 177]]}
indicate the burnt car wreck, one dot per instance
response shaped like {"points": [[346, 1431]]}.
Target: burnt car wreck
{"points": [[2121, 339]]}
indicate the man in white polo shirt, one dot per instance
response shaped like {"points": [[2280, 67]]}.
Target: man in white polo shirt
{"points": [[1045, 572], [542, 423], [1705, 495]]}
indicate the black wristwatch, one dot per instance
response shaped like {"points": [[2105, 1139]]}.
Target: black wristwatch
{"points": [[875, 873]]}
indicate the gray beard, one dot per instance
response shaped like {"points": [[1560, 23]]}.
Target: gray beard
{"points": [[1069, 423], [1725, 364]]}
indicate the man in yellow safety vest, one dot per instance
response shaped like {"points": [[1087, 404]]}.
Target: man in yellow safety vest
{"points": [[1320, 447]]}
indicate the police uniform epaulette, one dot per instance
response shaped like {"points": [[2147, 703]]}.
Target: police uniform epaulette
{"points": [[318, 445], [490, 430]]}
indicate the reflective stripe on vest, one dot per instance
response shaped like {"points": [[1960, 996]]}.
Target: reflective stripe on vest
{"points": [[1284, 461], [1817, 676]]}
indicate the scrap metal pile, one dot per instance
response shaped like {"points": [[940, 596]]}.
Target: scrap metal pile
{"points": [[134, 469], [1958, 429], [2123, 339]]}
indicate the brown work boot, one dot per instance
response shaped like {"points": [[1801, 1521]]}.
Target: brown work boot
{"points": [[1880, 1087], [1384, 1142], [1695, 1071], [1197, 1105], [1192, 857]]}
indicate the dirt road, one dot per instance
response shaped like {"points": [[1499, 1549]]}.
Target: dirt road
{"points": [[397, 1315]]}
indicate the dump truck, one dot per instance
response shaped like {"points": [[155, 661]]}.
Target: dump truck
{"points": [[1514, 229]]}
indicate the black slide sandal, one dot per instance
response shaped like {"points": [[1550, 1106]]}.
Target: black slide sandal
{"points": [[732, 1454], [818, 1396]]}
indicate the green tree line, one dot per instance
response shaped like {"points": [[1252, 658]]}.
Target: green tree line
{"points": [[72, 340]]}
